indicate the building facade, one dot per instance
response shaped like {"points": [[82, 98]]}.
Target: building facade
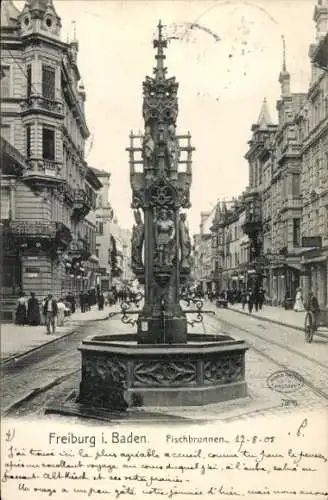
{"points": [[104, 217], [120, 254], [203, 254], [230, 246], [257, 199], [286, 201], [313, 133], [284, 225], [49, 235]]}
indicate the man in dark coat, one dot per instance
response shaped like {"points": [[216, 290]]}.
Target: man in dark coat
{"points": [[33, 311], [50, 311], [312, 305]]}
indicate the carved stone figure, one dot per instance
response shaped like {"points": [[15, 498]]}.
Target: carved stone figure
{"points": [[185, 243], [137, 241], [173, 149], [148, 146], [164, 237]]}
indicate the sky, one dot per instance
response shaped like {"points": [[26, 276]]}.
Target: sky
{"points": [[225, 68]]}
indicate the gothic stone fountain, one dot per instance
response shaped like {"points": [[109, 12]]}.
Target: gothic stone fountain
{"points": [[162, 364]]}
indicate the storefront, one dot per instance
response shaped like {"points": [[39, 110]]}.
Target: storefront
{"points": [[315, 264]]}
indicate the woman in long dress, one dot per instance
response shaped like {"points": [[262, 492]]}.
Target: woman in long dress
{"points": [[33, 311], [299, 306], [21, 310], [61, 312]]}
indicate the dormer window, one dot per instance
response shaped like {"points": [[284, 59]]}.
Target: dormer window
{"points": [[48, 22]]}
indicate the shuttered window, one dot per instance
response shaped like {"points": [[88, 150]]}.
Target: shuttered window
{"points": [[48, 82], [5, 204], [28, 141], [29, 80]]}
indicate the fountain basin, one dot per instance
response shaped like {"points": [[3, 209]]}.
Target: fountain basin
{"points": [[117, 372]]}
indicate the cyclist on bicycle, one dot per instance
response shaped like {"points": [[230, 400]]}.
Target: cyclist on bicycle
{"points": [[312, 305]]}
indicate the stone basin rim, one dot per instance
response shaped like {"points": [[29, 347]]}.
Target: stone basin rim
{"points": [[194, 339], [118, 342]]}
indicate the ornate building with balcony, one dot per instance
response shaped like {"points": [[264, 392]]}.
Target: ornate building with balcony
{"points": [[257, 197], [312, 122], [282, 217], [203, 253], [46, 195], [104, 217], [120, 254], [230, 246]]}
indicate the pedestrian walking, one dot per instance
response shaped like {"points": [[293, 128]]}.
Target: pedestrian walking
{"points": [[261, 297], [312, 305], [82, 302], [299, 306], [33, 311], [21, 310], [243, 299], [50, 311], [101, 301], [256, 298], [250, 301], [61, 307], [71, 299]]}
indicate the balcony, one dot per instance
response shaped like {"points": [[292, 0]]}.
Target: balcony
{"points": [[292, 203], [42, 235], [252, 225], [63, 235], [82, 204], [80, 249], [42, 171], [40, 104]]}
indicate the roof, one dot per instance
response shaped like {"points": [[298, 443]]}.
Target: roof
{"points": [[264, 118], [93, 179], [9, 14], [100, 173]]}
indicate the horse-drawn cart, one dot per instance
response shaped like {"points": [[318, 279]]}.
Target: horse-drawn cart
{"points": [[313, 322]]}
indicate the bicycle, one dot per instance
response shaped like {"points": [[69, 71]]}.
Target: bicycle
{"points": [[310, 326], [314, 320]]}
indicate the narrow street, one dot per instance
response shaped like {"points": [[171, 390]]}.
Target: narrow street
{"points": [[272, 348]]}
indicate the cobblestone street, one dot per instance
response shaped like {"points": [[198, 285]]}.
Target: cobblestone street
{"points": [[273, 348]]}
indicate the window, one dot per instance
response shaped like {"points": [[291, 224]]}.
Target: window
{"points": [[296, 232], [48, 82], [296, 185], [5, 203], [5, 81], [28, 141], [48, 144], [29, 80], [100, 228]]}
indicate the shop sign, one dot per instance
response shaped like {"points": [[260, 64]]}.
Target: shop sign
{"points": [[251, 271], [32, 270], [102, 271], [311, 241], [104, 285]]}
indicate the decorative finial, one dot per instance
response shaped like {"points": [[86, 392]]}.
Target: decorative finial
{"points": [[283, 53], [160, 44], [74, 30]]}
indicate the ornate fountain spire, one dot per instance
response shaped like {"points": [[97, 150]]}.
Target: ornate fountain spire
{"points": [[160, 44]]}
